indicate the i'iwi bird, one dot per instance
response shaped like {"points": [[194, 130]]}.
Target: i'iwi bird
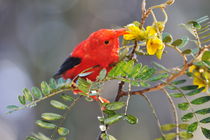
{"points": [[99, 51]]}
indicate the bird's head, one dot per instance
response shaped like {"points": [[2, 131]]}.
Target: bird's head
{"points": [[106, 38]]}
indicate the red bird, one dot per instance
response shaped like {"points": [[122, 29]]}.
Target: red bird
{"points": [[99, 51]]}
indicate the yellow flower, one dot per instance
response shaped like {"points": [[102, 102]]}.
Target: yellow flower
{"points": [[155, 46], [134, 32], [150, 31], [201, 76]]}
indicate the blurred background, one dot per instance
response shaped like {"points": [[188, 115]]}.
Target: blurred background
{"points": [[35, 38]]}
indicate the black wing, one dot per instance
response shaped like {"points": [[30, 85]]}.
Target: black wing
{"points": [[69, 63]]}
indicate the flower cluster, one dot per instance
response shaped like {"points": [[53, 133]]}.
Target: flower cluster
{"points": [[201, 76], [151, 35]]}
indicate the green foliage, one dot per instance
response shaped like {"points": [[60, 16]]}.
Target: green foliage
{"points": [[192, 127], [51, 116], [183, 106], [113, 119], [45, 124], [206, 132], [131, 119], [62, 131], [58, 105], [105, 136], [167, 38], [136, 74], [115, 105], [168, 127]]}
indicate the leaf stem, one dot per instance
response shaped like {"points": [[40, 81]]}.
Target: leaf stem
{"points": [[174, 111], [154, 113]]}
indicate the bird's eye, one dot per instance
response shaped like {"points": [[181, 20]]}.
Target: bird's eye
{"points": [[106, 42]]}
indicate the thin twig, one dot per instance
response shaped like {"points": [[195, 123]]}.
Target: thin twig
{"points": [[45, 97], [128, 98], [174, 111], [154, 113]]}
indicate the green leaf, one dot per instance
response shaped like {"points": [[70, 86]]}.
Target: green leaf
{"points": [[185, 135], [115, 105], [187, 51], [105, 136], [135, 70], [113, 119], [158, 77], [177, 42], [58, 105], [160, 66], [41, 136], [63, 131], [200, 100], [51, 116], [22, 99], [61, 83], [146, 73], [196, 91], [203, 111], [189, 87], [183, 126], [102, 74], [167, 38], [127, 69], [36, 92], [45, 88], [131, 119], [45, 124], [83, 85], [67, 97], [178, 82], [168, 127], [195, 24], [52, 83], [28, 95], [134, 83], [169, 136], [183, 106], [12, 108], [109, 112], [117, 70], [206, 120], [206, 132], [187, 117], [192, 127], [177, 95], [206, 56]]}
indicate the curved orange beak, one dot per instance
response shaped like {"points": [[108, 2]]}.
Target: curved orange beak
{"points": [[120, 32]]}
